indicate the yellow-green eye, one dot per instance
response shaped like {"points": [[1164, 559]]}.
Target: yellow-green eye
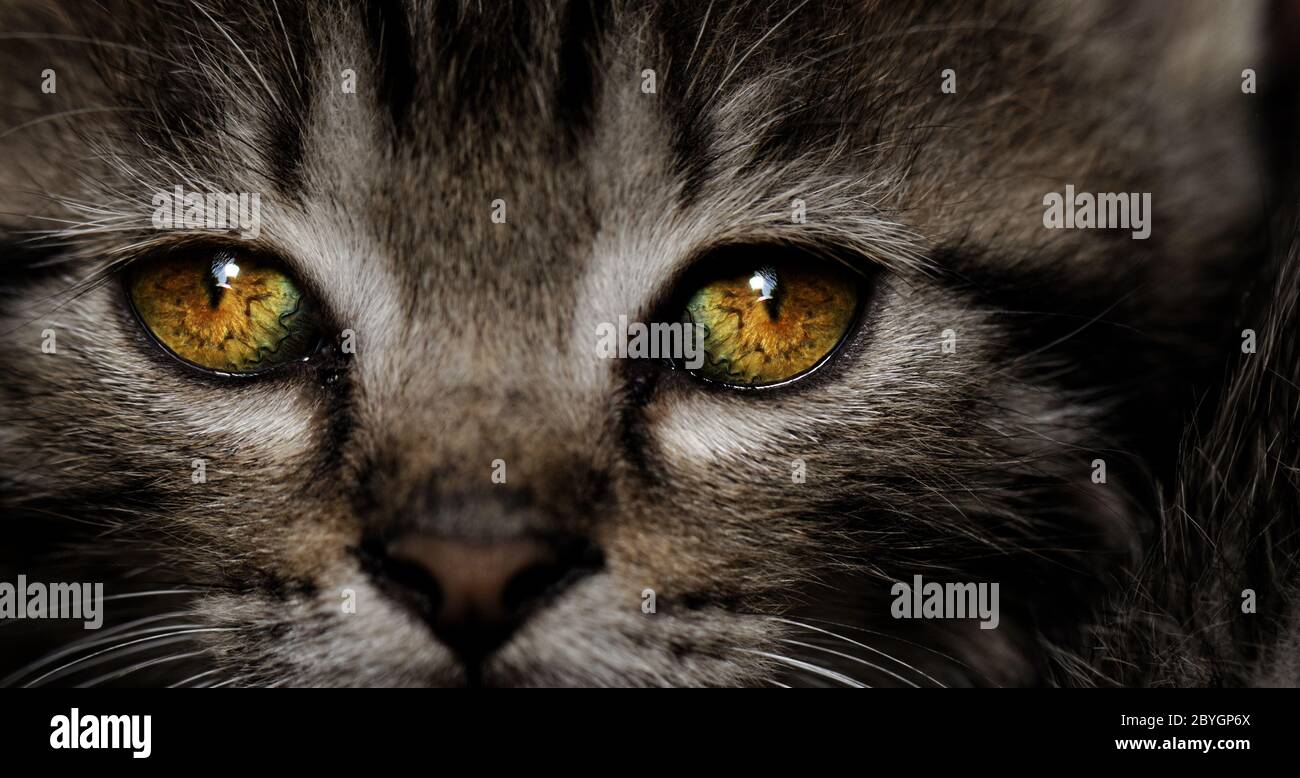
{"points": [[224, 311], [766, 324]]}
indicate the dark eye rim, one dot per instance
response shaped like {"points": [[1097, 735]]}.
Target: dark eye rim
{"points": [[729, 258], [127, 273]]}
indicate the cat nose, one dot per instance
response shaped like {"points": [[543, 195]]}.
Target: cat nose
{"points": [[475, 594]]}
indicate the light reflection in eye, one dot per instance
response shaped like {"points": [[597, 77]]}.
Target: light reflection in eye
{"points": [[224, 269], [764, 282]]}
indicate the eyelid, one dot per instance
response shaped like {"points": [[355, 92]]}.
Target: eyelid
{"points": [[205, 242], [709, 259]]}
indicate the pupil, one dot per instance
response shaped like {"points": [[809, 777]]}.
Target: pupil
{"points": [[766, 284], [223, 271]]}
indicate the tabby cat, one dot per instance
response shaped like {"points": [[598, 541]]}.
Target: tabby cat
{"points": [[366, 436]]}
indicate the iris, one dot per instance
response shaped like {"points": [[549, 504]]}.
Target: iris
{"points": [[772, 323], [223, 311]]}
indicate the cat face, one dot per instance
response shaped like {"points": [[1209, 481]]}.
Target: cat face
{"points": [[451, 483]]}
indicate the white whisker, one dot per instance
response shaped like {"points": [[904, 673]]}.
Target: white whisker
{"points": [[106, 636], [809, 667], [851, 658], [861, 645], [61, 670], [204, 674], [139, 666]]}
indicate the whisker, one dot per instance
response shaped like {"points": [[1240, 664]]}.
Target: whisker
{"points": [[220, 28], [131, 595], [954, 660], [726, 78], [808, 667], [108, 655], [61, 670], [851, 658], [37, 36], [90, 641], [862, 645], [59, 115], [205, 673], [139, 666]]}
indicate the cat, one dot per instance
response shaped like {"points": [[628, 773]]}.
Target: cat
{"points": [[454, 488]]}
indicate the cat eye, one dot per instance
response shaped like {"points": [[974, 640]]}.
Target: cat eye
{"points": [[771, 320], [224, 311]]}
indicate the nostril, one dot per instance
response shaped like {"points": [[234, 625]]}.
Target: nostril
{"points": [[573, 560], [474, 595], [530, 584], [409, 581]]}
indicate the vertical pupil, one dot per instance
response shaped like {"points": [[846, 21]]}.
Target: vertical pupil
{"points": [[766, 286], [223, 271]]}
